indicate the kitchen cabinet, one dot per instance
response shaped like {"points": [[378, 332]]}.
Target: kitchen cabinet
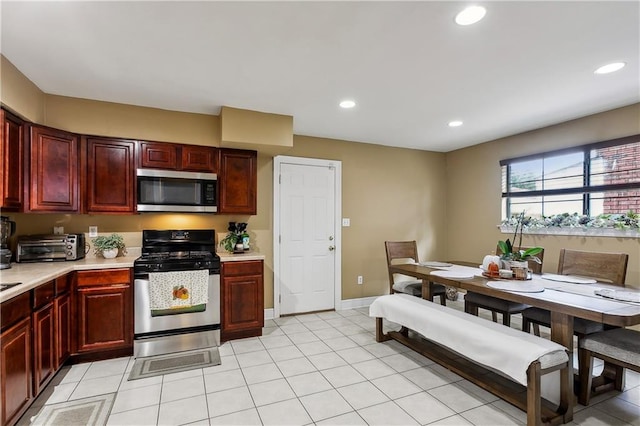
{"points": [[237, 182], [111, 174], [242, 295], [15, 369], [104, 311], [171, 156], [62, 313], [44, 339], [53, 171], [11, 162]]}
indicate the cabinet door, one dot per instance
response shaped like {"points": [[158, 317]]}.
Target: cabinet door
{"points": [[157, 155], [110, 175], [11, 161], [237, 181], [53, 171], [104, 309], [15, 374], [242, 299], [199, 158], [44, 347], [62, 311]]}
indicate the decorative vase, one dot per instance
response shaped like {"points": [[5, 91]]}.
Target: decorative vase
{"points": [[110, 253]]}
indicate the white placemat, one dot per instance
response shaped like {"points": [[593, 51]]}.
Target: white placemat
{"points": [[569, 279], [453, 274], [519, 286], [625, 296]]}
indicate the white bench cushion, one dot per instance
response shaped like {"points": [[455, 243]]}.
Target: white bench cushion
{"points": [[493, 345]]}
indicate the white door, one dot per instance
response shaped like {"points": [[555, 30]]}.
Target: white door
{"points": [[306, 252]]}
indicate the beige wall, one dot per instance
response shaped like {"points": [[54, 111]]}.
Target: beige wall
{"points": [[19, 93], [474, 189]]}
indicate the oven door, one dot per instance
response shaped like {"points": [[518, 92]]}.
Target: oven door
{"points": [[150, 323]]}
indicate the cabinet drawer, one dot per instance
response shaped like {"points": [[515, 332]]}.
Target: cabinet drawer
{"points": [[104, 277], [15, 309], [63, 284], [44, 294], [247, 267]]}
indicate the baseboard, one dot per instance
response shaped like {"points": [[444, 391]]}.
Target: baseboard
{"points": [[356, 303], [268, 313]]}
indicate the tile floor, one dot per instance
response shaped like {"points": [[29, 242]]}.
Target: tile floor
{"points": [[323, 369]]}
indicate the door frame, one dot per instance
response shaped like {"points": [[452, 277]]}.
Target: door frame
{"points": [[316, 162]]}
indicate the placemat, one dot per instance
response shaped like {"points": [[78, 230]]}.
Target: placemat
{"points": [[453, 274], [569, 279], [519, 286]]}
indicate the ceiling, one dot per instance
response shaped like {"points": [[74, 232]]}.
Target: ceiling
{"points": [[408, 66]]}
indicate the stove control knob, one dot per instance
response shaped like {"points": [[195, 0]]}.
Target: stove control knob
{"points": [[197, 265]]}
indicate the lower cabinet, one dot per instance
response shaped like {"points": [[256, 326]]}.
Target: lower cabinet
{"points": [[44, 347], [242, 295], [104, 311], [62, 311], [16, 377]]}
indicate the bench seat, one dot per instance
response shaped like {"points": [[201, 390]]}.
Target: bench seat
{"points": [[454, 338], [620, 346]]}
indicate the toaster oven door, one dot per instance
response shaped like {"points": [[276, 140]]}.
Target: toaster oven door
{"points": [[41, 251]]}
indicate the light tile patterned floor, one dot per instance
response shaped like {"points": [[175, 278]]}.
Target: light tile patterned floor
{"points": [[324, 369]]}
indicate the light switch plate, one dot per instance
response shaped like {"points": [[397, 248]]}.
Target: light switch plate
{"points": [[93, 231]]}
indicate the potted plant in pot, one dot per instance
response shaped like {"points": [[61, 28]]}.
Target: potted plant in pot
{"points": [[233, 241], [517, 257], [108, 246]]}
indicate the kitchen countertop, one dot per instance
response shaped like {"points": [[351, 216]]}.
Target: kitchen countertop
{"points": [[32, 275]]}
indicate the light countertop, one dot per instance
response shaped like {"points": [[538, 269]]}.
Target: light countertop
{"points": [[32, 275]]}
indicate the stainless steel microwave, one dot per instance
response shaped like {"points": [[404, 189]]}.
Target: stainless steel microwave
{"points": [[175, 191]]}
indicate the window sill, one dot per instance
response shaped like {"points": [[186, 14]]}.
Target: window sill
{"points": [[583, 232]]}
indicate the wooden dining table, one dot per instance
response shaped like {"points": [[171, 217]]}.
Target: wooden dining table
{"points": [[563, 305]]}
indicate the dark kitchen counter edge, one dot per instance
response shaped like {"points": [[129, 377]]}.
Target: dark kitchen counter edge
{"points": [[32, 275]]}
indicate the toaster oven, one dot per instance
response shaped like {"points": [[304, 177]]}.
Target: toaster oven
{"points": [[48, 248]]}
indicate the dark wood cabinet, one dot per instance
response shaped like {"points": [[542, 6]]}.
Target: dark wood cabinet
{"points": [[53, 171], [44, 347], [11, 162], [16, 354], [237, 182], [242, 295], [172, 156], [104, 310], [110, 175], [62, 313]]}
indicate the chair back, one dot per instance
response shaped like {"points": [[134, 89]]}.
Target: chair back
{"points": [[400, 252], [535, 267], [605, 267]]}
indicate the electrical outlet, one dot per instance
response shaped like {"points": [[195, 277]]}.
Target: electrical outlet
{"points": [[360, 279], [346, 221], [58, 230], [93, 231]]}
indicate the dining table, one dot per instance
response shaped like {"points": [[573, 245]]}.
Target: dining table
{"points": [[565, 301]]}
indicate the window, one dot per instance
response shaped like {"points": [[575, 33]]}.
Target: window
{"points": [[594, 179]]}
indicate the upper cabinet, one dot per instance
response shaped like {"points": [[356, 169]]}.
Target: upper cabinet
{"points": [[11, 162], [171, 156], [110, 175], [237, 181], [53, 171]]}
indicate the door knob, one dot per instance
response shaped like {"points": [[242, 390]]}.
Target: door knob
{"points": [[331, 248]]}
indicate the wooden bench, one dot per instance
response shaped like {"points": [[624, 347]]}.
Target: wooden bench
{"points": [[620, 347], [477, 349]]}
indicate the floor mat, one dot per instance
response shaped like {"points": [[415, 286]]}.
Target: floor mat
{"points": [[174, 363], [80, 412]]}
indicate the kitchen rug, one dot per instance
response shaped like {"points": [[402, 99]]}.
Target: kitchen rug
{"points": [[174, 363], [80, 412]]}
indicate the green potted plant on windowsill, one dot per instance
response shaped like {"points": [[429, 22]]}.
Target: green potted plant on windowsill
{"points": [[108, 246]]}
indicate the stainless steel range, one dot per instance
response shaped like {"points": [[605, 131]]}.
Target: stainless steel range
{"points": [[176, 292]]}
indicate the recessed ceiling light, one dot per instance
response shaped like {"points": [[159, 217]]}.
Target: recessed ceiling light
{"points": [[470, 15], [348, 103], [613, 67], [455, 123]]}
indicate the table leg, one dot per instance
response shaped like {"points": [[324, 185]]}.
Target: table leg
{"points": [[562, 333], [426, 290]]}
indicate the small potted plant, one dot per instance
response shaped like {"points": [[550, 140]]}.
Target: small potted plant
{"points": [[517, 257], [232, 242], [108, 246]]}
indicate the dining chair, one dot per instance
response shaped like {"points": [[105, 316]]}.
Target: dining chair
{"points": [[405, 252], [473, 301], [608, 268]]}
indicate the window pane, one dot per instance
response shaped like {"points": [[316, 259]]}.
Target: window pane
{"points": [[615, 202], [615, 164], [526, 176], [532, 206], [558, 204], [564, 171]]}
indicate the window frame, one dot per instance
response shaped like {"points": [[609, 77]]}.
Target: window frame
{"points": [[586, 190]]}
